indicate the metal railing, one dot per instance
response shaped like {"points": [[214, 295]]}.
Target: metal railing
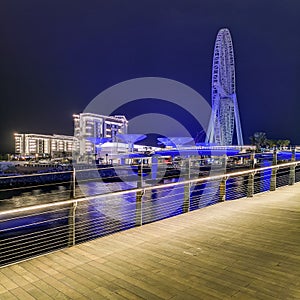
{"points": [[37, 229]]}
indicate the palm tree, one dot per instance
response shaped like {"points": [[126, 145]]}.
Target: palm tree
{"points": [[271, 143], [259, 139], [283, 143], [287, 143]]}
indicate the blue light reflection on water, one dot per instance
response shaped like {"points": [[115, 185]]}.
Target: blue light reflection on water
{"points": [[265, 177], [204, 194]]}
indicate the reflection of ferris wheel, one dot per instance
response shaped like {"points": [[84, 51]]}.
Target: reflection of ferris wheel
{"points": [[225, 112]]}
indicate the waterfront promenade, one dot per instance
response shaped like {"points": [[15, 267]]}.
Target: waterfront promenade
{"points": [[242, 249]]}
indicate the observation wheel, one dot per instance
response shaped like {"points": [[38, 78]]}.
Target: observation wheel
{"points": [[225, 112]]}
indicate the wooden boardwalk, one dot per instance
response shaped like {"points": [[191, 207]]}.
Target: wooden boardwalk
{"points": [[243, 249]]}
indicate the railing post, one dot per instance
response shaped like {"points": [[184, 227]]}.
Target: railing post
{"points": [[274, 172], [250, 188], [139, 208], [222, 190], [139, 198], [72, 224], [273, 179], [187, 186], [293, 154], [292, 174], [252, 159], [274, 162], [73, 184]]}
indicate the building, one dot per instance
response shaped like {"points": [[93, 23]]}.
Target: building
{"points": [[89, 127], [43, 145]]}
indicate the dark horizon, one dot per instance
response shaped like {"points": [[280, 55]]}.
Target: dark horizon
{"points": [[57, 56]]}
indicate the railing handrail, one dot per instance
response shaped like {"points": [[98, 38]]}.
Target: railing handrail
{"points": [[143, 189]]}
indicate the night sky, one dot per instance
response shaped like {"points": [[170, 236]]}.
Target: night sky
{"points": [[56, 56]]}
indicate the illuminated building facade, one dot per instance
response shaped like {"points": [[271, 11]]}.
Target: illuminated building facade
{"points": [[41, 144], [89, 126]]}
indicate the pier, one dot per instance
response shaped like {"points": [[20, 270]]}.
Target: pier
{"points": [[152, 191], [242, 249]]}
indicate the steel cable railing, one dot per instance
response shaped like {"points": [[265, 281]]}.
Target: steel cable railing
{"points": [[160, 204], [204, 194], [236, 187], [40, 228], [282, 177], [262, 181]]}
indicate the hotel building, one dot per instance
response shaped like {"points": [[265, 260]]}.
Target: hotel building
{"points": [[89, 127], [41, 144]]}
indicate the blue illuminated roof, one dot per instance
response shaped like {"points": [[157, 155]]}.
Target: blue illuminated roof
{"points": [[99, 141], [131, 138], [175, 141]]}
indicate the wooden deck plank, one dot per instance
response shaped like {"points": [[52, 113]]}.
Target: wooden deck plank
{"points": [[36, 293], [8, 296], [7, 283], [49, 290], [242, 249], [15, 277], [21, 294], [63, 288], [108, 294]]}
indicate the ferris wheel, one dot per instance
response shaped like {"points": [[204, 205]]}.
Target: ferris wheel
{"points": [[225, 113]]}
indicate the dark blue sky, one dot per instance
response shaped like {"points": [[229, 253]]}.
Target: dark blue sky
{"points": [[56, 56]]}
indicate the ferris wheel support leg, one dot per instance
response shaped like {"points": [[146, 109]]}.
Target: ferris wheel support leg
{"points": [[209, 134], [238, 123]]}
